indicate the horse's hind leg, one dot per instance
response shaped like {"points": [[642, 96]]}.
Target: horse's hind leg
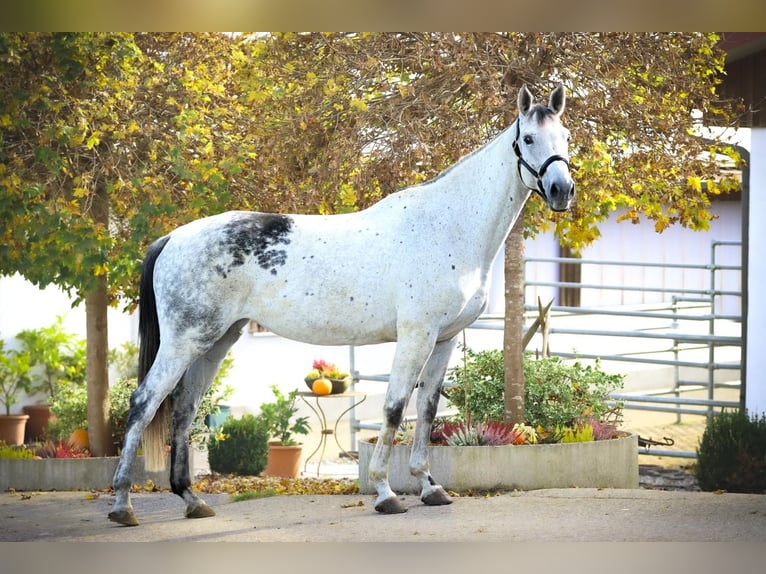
{"points": [[186, 399], [428, 401], [158, 383]]}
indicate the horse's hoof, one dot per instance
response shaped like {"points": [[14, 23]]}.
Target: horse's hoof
{"points": [[124, 517], [391, 505], [437, 497], [201, 510]]}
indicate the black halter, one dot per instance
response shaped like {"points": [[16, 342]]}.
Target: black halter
{"points": [[538, 175]]}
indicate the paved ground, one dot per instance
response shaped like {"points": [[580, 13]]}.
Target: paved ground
{"points": [[651, 513], [637, 515]]}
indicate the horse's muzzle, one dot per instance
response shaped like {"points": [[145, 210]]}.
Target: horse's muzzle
{"points": [[560, 196]]}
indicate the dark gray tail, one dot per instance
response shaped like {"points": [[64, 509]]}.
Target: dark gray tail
{"points": [[156, 434]]}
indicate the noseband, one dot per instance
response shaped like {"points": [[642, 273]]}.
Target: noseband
{"points": [[538, 175]]}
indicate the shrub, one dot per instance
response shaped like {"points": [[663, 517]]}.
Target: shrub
{"points": [[17, 452], [70, 405], [731, 455], [556, 394], [559, 394], [239, 446]]}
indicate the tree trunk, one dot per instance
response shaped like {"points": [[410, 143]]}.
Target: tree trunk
{"points": [[97, 375], [513, 348], [97, 346]]}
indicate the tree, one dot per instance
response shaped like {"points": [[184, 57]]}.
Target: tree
{"points": [[108, 141]]}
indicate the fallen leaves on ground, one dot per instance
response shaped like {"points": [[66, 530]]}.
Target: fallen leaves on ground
{"points": [[233, 484]]}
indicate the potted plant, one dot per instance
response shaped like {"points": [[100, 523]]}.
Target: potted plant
{"points": [[282, 424], [569, 436], [57, 359], [14, 378]]}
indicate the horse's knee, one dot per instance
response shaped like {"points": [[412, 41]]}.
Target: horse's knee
{"points": [[394, 413]]}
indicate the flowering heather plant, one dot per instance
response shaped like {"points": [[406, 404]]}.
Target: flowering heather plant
{"points": [[603, 430], [60, 449], [492, 433]]}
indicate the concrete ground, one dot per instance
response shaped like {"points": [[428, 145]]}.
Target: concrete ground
{"points": [[646, 514], [576, 515]]}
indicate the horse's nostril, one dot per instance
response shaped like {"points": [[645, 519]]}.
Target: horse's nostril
{"points": [[571, 190]]}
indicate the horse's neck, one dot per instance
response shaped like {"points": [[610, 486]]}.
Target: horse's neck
{"points": [[486, 192]]}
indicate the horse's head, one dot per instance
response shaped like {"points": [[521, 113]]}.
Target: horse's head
{"points": [[541, 147]]}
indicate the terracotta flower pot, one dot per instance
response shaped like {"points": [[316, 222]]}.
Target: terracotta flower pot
{"points": [[12, 428], [37, 425], [283, 461]]}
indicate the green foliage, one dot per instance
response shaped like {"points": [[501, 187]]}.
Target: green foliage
{"points": [[123, 361], [580, 433], [478, 386], [239, 446], [253, 494], [558, 395], [70, 405], [731, 455], [280, 420], [16, 452], [14, 375], [57, 358]]}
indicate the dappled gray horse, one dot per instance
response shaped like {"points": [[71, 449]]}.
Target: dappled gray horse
{"points": [[412, 268]]}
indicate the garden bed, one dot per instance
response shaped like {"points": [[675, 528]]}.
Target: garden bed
{"points": [[596, 464], [91, 473]]}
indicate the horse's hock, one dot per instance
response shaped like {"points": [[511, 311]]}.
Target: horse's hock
{"points": [[597, 464]]}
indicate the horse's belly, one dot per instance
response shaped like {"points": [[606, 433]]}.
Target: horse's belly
{"points": [[324, 315]]}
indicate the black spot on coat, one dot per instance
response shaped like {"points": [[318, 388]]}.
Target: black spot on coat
{"points": [[256, 235]]}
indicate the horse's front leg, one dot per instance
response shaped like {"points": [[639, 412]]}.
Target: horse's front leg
{"points": [[411, 354], [431, 493]]}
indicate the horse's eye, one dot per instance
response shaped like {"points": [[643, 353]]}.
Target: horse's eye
{"points": [[528, 140]]}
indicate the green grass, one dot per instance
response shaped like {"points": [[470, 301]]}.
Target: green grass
{"points": [[252, 494]]}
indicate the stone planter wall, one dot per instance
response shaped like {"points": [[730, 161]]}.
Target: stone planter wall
{"points": [[70, 473], [599, 464]]}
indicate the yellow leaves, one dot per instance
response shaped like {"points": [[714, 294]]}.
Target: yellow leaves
{"points": [[268, 486], [347, 195], [93, 140], [357, 104], [695, 183]]}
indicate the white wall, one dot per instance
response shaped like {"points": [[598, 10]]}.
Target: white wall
{"points": [[756, 317], [638, 243]]}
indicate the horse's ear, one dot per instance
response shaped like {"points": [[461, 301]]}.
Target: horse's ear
{"points": [[558, 100], [525, 100]]}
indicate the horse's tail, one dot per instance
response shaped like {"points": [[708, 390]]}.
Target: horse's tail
{"points": [[156, 433]]}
